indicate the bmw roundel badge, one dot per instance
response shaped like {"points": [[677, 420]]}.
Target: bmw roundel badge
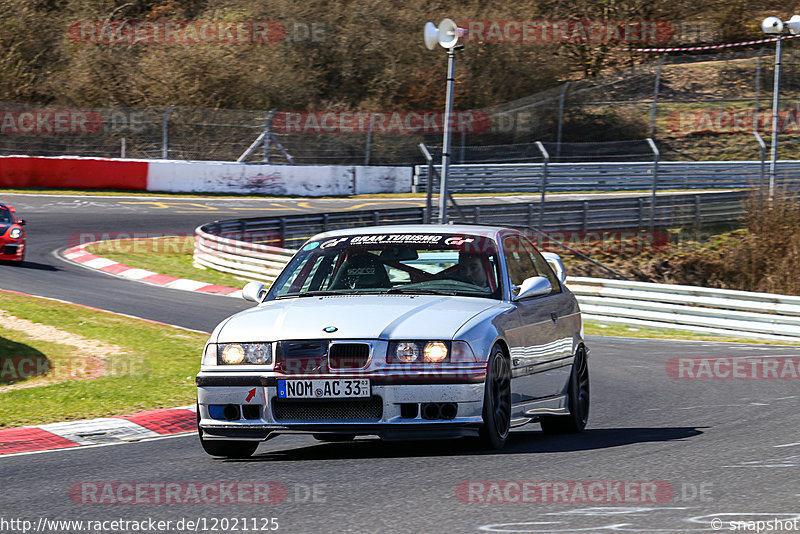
{"points": [[330, 329]]}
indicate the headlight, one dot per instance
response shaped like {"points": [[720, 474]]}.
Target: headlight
{"points": [[435, 352], [406, 352], [419, 352], [15, 233], [244, 354]]}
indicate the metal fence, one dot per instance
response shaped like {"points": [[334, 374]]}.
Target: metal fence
{"points": [[632, 176], [600, 119]]}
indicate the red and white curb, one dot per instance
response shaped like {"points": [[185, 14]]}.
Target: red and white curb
{"points": [[78, 254], [104, 430]]}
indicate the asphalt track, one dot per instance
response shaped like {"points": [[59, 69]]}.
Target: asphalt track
{"points": [[726, 449]]}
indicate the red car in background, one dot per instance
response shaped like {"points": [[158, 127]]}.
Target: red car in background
{"points": [[12, 235]]}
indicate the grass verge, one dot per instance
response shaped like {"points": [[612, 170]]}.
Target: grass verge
{"points": [[155, 370], [171, 256]]}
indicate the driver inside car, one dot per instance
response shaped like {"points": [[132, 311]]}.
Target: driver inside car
{"points": [[470, 267]]}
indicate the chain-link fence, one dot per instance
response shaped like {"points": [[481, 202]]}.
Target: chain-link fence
{"points": [[696, 107]]}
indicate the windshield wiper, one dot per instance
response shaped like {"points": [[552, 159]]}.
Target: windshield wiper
{"points": [[422, 291]]}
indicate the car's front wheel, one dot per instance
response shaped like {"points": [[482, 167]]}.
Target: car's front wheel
{"points": [[496, 402], [577, 398], [227, 449]]}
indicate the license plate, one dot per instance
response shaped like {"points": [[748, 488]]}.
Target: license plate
{"points": [[339, 388]]}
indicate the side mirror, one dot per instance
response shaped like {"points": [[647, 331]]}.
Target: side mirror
{"points": [[554, 260], [535, 286], [254, 292], [22, 222]]}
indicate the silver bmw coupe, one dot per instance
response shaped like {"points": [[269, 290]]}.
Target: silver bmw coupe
{"points": [[400, 332]]}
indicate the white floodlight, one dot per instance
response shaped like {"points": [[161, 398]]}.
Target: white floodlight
{"points": [[772, 25], [793, 24], [431, 35], [447, 34]]}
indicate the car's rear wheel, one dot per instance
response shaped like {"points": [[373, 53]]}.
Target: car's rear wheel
{"points": [[577, 399], [496, 402], [227, 449], [334, 438]]}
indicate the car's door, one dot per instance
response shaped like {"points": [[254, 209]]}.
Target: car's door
{"points": [[541, 344]]}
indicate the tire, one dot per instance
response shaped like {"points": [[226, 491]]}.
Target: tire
{"points": [[227, 449], [496, 402], [578, 400], [334, 438]]}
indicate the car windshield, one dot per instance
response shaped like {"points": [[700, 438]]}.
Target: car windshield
{"points": [[5, 216], [439, 264]]}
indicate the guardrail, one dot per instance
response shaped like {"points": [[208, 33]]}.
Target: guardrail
{"points": [[610, 176], [671, 211], [251, 261], [699, 309]]}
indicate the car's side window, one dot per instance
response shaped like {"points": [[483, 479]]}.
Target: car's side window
{"points": [[518, 261], [541, 265]]}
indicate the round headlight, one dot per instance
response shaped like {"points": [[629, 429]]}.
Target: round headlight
{"points": [[15, 233], [435, 352], [232, 354], [258, 353], [407, 352]]}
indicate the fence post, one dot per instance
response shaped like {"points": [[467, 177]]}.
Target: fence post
{"points": [[654, 105], [656, 155], [164, 132], [561, 117], [463, 146], [368, 147], [428, 183], [268, 134], [758, 90], [477, 215], [122, 148], [546, 157]]}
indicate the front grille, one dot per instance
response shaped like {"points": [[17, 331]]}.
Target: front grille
{"points": [[348, 355], [306, 357], [339, 410]]}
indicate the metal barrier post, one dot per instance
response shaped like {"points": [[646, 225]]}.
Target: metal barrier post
{"points": [[656, 155], [654, 105], [763, 146], [546, 157], [268, 134], [561, 117]]}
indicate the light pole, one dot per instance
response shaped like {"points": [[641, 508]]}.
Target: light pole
{"points": [[446, 35], [775, 26]]}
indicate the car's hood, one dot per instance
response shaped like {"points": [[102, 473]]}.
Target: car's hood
{"points": [[355, 317]]}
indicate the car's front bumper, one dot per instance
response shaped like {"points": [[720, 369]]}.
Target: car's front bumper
{"points": [[11, 251], [394, 411]]}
